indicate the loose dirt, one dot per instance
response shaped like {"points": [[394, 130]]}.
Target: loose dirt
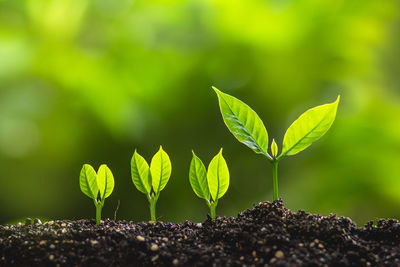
{"points": [[266, 235]]}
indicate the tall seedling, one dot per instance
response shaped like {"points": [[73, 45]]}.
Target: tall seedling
{"points": [[248, 128], [211, 185], [151, 180], [98, 186]]}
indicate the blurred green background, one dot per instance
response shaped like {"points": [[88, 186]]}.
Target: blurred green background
{"points": [[86, 81]]}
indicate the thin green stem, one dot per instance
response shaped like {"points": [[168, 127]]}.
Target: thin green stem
{"points": [[153, 209], [212, 210], [275, 178], [98, 213]]}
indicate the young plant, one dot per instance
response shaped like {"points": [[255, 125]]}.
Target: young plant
{"points": [[151, 180], [98, 186], [248, 128], [211, 185]]}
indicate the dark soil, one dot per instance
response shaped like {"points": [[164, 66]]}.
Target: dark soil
{"points": [[268, 234]]}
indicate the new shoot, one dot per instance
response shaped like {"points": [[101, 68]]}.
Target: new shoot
{"points": [[248, 128], [98, 186], [211, 185], [151, 180]]}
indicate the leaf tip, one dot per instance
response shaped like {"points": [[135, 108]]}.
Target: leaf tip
{"points": [[336, 103], [161, 149], [216, 90], [86, 166]]}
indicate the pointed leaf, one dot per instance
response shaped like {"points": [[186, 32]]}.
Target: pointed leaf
{"points": [[140, 172], [198, 178], [274, 148], [243, 122], [88, 181], [309, 127], [218, 177], [160, 169], [105, 181]]}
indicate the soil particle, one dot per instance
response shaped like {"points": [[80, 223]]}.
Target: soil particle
{"points": [[268, 234], [279, 254], [140, 238], [154, 247]]}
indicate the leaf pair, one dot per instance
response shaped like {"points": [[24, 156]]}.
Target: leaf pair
{"points": [[248, 128], [151, 180], [214, 183], [97, 186]]}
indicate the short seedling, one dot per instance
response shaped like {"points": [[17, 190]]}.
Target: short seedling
{"points": [[213, 185], [248, 128], [98, 186], [151, 180]]}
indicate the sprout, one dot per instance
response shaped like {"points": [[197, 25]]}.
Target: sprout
{"points": [[248, 128], [151, 180], [98, 186], [211, 185]]}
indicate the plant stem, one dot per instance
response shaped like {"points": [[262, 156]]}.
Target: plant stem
{"points": [[98, 213], [212, 211], [275, 178], [153, 209]]}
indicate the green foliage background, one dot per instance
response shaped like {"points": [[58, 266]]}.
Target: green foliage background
{"points": [[86, 81]]}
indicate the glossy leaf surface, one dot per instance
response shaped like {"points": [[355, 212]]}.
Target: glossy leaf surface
{"points": [[160, 169], [140, 172], [105, 181], [88, 181], [218, 177], [243, 122], [198, 178], [309, 127]]}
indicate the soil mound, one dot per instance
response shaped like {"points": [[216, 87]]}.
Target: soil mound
{"points": [[268, 234]]}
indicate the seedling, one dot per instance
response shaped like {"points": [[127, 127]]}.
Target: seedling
{"points": [[213, 185], [151, 180], [248, 128], [98, 186]]}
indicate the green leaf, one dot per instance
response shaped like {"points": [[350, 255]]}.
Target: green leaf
{"points": [[88, 181], [218, 177], [140, 172], [274, 148], [308, 128], [243, 122], [160, 169], [105, 181], [198, 178]]}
